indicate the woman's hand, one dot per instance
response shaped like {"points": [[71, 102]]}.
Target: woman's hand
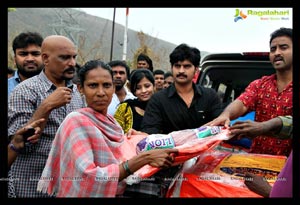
{"points": [[134, 132], [162, 158]]}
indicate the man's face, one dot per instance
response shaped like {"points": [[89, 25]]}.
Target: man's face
{"points": [[159, 81], [168, 81], [61, 61], [119, 77], [29, 60], [281, 53], [183, 72]]}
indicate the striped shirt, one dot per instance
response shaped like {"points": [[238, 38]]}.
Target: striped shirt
{"points": [[22, 103]]}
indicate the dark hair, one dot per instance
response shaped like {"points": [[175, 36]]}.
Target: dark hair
{"points": [[90, 65], [76, 79], [138, 75], [158, 72], [143, 57], [282, 32], [185, 52], [120, 63], [25, 39], [167, 74], [10, 70]]}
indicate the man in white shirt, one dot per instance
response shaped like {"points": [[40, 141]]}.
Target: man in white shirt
{"points": [[121, 73]]}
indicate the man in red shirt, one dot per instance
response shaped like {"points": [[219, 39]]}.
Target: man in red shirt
{"points": [[196, 76], [269, 96]]}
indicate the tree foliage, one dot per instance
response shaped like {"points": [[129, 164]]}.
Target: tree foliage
{"points": [[144, 48]]}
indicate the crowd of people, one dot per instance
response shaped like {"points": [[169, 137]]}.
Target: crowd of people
{"points": [[81, 115]]}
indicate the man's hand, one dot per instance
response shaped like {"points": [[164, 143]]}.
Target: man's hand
{"points": [[60, 97], [18, 137], [247, 128], [219, 121], [258, 184]]}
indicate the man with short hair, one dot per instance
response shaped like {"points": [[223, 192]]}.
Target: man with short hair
{"points": [[168, 79], [28, 60], [269, 96], [50, 95], [144, 61], [10, 72], [183, 105], [121, 73], [159, 79]]}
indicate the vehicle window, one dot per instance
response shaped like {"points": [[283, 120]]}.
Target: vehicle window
{"points": [[221, 91], [207, 82]]}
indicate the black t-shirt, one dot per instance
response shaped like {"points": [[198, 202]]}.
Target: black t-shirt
{"points": [[166, 111], [136, 117]]}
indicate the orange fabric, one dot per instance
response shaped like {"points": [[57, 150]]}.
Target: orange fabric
{"points": [[219, 174], [193, 187]]}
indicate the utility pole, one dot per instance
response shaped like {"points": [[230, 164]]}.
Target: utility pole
{"points": [[125, 36], [112, 35], [66, 24]]}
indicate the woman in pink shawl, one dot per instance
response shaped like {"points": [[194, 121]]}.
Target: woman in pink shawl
{"points": [[87, 157]]}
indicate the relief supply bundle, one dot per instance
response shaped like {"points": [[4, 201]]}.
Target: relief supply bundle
{"points": [[176, 138], [189, 142]]}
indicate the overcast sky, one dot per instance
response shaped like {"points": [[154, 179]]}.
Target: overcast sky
{"points": [[208, 29]]}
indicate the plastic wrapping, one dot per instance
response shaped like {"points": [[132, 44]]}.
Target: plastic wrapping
{"points": [[221, 174], [187, 143], [176, 138]]}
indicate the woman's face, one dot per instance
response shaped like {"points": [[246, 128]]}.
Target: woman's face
{"points": [[98, 89], [144, 89]]}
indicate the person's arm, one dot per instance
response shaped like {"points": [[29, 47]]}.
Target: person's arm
{"points": [[13, 148], [258, 184], [232, 111], [131, 132], [286, 130], [17, 143], [280, 127], [162, 158], [60, 97]]}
